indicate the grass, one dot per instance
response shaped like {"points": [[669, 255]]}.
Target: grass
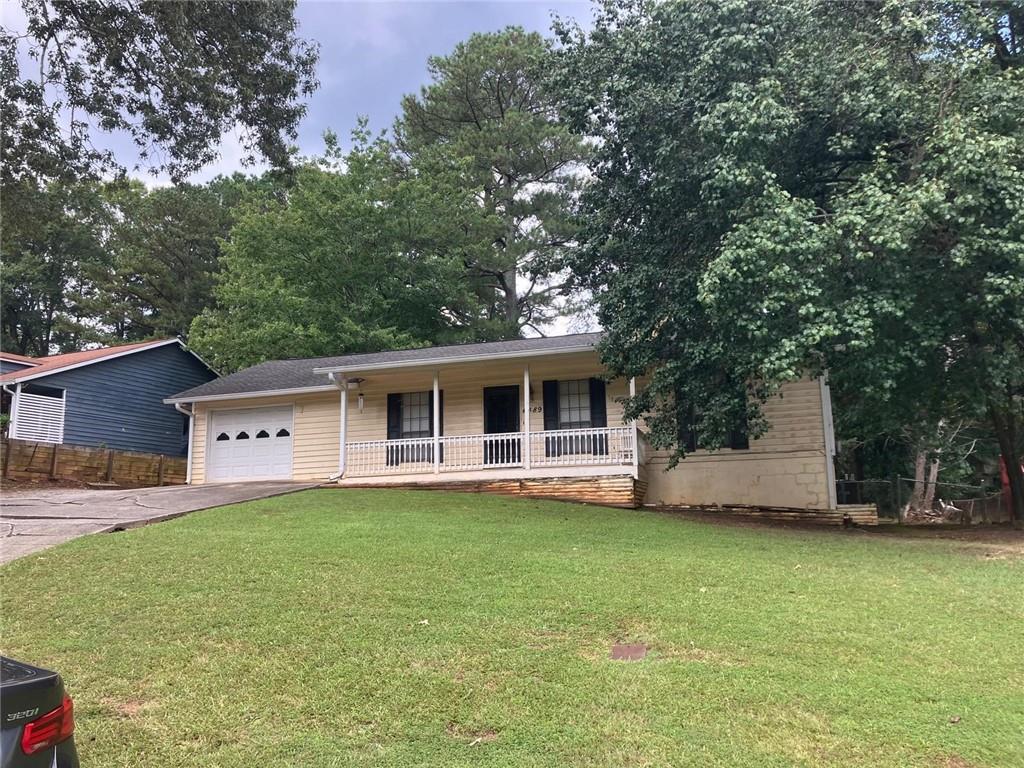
{"points": [[402, 628]]}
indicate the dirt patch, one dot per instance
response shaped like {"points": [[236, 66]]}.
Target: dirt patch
{"points": [[472, 736], [127, 708], [628, 651], [989, 541], [954, 761]]}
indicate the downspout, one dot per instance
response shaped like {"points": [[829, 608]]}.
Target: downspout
{"points": [[14, 409], [342, 385], [191, 432], [830, 440]]}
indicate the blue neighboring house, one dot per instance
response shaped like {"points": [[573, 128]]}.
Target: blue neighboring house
{"points": [[11, 362], [110, 397]]}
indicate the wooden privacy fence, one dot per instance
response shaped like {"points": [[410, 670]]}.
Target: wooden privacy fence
{"points": [[24, 460]]}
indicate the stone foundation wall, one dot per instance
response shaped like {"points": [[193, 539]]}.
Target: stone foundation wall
{"points": [[608, 490], [735, 478]]}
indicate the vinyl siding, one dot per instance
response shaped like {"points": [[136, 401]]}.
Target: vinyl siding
{"points": [[786, 467], [118, 403], [9, 366], [316, 429], [463, 387]]}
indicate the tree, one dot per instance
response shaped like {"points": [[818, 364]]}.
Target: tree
{"points": [[48, 238], [161, 253], [487, 111], [175, 76], [785, 189], [356, 257]]}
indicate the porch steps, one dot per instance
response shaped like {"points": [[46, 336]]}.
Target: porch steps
{"points": [[607, 490]]}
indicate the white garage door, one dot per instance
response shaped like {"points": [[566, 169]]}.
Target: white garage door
{"points": [[250, 444]]}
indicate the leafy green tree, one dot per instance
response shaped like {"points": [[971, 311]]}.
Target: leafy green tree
{"points": [[161, 252], [173, 75], [358, 256], [796, 187], [488, 112], [48, 237]]}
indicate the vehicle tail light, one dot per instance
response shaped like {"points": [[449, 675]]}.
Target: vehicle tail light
{"points": [[52, 728]]}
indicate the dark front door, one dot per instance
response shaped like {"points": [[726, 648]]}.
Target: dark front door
{"points": [[501, 415]]}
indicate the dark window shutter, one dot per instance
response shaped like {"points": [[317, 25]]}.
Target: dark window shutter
{"points": [[598, 404], [394, 416], [550, 405], [687, 434], [738, 438]]}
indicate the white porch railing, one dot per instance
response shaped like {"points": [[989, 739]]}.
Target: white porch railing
{"points": [[464, 453], [581, 447]]}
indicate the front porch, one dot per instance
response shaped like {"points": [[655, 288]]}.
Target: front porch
{"points": [[557, 428]]}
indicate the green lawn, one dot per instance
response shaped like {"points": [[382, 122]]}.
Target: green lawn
{"points": [[394, 628]]}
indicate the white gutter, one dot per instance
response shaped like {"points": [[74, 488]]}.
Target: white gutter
{"points": [[483, 357], [243, 395], [14, 409], [191, 431]]}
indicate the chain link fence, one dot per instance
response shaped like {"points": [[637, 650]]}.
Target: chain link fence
{"points": [[911, 501]]}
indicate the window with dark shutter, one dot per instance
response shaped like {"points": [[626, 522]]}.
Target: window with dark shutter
{"points": [[739, 440], [686, 419], [575, 404], [411, 415]]}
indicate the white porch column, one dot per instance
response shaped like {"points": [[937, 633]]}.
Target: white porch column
{"points": [[636, 432], [343, 433], [437, 425], [526, 417]]}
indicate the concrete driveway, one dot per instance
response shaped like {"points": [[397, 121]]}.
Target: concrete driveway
{"points": [[32, 520]]}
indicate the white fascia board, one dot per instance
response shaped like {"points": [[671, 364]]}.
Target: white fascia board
{"points": [[245, 395], [449, 360], [200, 359], [29, 375]]}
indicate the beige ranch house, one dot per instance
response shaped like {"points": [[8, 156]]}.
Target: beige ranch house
{"points": [[530, 416]]}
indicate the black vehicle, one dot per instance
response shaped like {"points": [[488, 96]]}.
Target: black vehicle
{"points": [[37, 718]]}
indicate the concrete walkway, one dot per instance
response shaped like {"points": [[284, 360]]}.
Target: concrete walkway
{"points": [[33, 520]]}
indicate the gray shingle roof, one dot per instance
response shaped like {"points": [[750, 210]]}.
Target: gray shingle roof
{"points": [[299, 374]]}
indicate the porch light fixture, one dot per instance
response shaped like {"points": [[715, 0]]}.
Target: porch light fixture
{"points": [[360, 402]]}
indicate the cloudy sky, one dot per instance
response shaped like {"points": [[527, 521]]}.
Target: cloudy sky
{"points": [[371, 54]]}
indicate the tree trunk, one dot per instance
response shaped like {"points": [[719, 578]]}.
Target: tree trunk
{"points": [[511, 299], [1005, 424], [929, 488], [916, 502]]}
